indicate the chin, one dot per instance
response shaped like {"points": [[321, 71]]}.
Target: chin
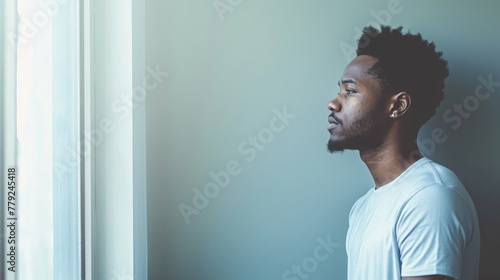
{"points": [[357, 143], [335, 146]]}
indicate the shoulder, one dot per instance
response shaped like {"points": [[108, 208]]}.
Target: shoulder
{"points": [[432, 183], [435, 197], [435, 194], [436, 225], [427, 172], [430, 180], [438, 208]]}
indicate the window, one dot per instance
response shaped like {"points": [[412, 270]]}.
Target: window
{"points": [[80, 165], [47, 124]]}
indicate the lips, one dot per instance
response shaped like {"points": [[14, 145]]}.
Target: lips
{"points": [[333, 123]]}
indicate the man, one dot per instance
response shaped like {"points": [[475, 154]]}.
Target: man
{"points": [[418, 221]]}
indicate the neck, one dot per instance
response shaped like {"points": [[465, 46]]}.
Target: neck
{"points": [[387, 161]]}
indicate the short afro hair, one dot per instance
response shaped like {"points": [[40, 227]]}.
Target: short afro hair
{"points": [[408, 63]]}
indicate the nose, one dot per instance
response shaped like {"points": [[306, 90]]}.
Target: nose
{"points": [[334, 105]]}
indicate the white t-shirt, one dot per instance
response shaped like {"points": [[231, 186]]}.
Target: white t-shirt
{"points": [[422, 223]]}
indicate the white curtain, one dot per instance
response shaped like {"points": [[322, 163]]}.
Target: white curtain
{"points": [[48, 101], [47, 136]]}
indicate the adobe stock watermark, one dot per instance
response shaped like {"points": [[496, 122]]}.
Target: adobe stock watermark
{"points": [[382, 17], [249, 149], [310, 264], [223, 6], [122, 107], [454, 117], [30, 28]]}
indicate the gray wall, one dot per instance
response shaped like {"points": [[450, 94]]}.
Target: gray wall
{"points": [[230, 73]]}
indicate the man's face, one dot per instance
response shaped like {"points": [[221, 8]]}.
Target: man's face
{"points": [[357, 119]]}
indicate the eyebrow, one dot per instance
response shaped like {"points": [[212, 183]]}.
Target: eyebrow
{"points": [[348, 81]]}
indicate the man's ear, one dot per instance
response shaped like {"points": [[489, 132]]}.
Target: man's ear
{"points": [[399, 104]]}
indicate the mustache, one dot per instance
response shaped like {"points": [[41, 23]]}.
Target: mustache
{"points": [[336, 118]]}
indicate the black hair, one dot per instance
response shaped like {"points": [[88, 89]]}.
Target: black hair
{"points": [[406, 62]]}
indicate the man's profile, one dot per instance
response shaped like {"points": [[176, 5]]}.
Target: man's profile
{"points": [[418, 221]]}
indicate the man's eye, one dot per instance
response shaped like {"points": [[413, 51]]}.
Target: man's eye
{"points": [[349, 91]]}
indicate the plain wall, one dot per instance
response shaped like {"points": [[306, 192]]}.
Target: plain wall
{"points": [[229, 74]]}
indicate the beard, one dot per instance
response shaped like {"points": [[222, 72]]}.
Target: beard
{"points": [[363, 134]]}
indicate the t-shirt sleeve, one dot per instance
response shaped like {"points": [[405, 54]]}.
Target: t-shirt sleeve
{"points": [[432, 232]]}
